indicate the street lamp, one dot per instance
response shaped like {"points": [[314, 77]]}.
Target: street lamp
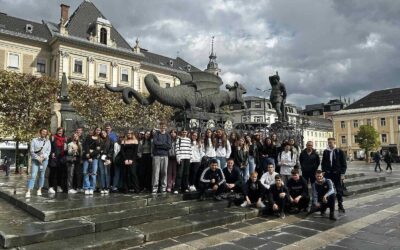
{"points": [[265, 91]]}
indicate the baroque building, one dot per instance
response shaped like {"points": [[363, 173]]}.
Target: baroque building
{"points": [[85, 46], [381, 110]]}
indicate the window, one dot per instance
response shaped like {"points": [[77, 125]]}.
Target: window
{"points": [[355, 123], [342, 124], [269, 105], [78, 66], [369, 122], [41, 65], [168, 85], [103, 36], [384, 138], [55, 66], [258, 118], [383, 121], [102, 70], [315, 113], [257, 104], [124, 75], [13, 60], [398, 120], [344, 139]]}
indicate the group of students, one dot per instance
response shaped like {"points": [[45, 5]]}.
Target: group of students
{"points": [[160, 161]]}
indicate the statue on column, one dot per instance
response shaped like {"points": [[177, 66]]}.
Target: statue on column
{"points": [[278, 97]]}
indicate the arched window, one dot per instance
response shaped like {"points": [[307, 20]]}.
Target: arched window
{"points": [[103, 36]]}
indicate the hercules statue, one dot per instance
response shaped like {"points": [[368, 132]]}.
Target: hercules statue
{"points": [[278, 97]]}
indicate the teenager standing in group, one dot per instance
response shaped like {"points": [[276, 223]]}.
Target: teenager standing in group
{"points": [[129, 149], [40, 151], [183, 156], [91, 155]]}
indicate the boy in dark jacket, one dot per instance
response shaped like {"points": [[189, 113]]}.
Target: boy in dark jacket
{"points": [[253, 192], [212, 177], [298, 192], [323, 195], [277, 197], [232, 177]]}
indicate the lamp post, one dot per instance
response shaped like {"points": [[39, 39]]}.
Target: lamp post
{"points": [[265, 91]]}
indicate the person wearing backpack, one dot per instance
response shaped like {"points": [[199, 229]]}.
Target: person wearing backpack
{"points": [[286, 160]]}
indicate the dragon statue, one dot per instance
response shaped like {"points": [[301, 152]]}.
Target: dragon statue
{"points": [[197, 90]]}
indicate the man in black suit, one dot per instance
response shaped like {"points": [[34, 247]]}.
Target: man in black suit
{"points": [[334, 165]]}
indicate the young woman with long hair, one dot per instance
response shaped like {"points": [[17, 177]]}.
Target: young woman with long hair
{"points": [[240, 157], [58, 172], [91, 155], [172, 163], [107, 152], [144, 153], [222, 148], [195, 160], [183, 156], [129, 149], [73, 161]]}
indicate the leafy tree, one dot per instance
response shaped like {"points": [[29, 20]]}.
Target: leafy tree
{"points": [[25, 105], [98, 106], [367, 138]]}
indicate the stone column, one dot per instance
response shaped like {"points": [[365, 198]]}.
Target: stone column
{"points": [[114, 74], [91, 71], [65, 64], [136, 82], [391, 124], [349, 137]]}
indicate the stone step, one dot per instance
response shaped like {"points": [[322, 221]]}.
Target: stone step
{"points": [[130, 217], [364, 180], [151, 231], [113, 239], [364, 188], [19, 228], [63, 206], [354, 175]]}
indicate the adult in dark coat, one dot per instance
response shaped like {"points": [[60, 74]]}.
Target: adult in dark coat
{"points": [[309, 162], [334, 166]]}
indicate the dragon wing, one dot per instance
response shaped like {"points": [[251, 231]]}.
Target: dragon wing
{"points": [[205, 83]]}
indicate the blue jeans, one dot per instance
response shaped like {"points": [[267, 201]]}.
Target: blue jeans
{"points": [[222, 162], [104, 175], [90, 170], [35, 169], [252, 165], [244, 172]]}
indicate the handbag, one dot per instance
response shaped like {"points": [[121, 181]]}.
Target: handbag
{"points": [[53, 162]]}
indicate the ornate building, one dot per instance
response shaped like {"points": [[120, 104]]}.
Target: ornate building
{"points": [[84, 45]]}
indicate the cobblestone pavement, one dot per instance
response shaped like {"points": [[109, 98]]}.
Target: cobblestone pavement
{"points": [[372, 221]]}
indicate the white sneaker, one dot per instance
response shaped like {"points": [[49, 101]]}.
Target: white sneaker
{"points": [[102, 192], [39, 192], [192, 188], [72, 191], [90, 191], [59, 189], [51, 191], [244, 204], [106, 191], [176, 192], [28, 194], [87, 192]]}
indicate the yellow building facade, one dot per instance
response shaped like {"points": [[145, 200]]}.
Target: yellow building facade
{"points": [[380, 110]]}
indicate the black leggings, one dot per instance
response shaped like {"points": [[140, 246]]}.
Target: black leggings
{"points": [[130, 178]]}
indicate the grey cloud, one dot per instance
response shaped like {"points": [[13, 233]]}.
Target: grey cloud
{"points": [[322, 49]]}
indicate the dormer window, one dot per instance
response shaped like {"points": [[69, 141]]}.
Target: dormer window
{"points": [[188, 67], [103, 36], [29, 28], [171, 63]]}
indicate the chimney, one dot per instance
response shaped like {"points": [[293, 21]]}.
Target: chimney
{"points": [[64, 14]]}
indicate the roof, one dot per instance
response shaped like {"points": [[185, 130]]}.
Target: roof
{"points": [[18, 25], [386, 97], [163, 61], [82, 21], [314, 107]]}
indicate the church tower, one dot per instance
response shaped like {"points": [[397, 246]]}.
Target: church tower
{"points": [[212, 66]]}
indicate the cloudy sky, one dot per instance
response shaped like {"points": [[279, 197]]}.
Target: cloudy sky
{"points": [[323, 49]]}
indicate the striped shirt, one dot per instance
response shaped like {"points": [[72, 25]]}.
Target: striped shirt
{"points": [[183, 148]]}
